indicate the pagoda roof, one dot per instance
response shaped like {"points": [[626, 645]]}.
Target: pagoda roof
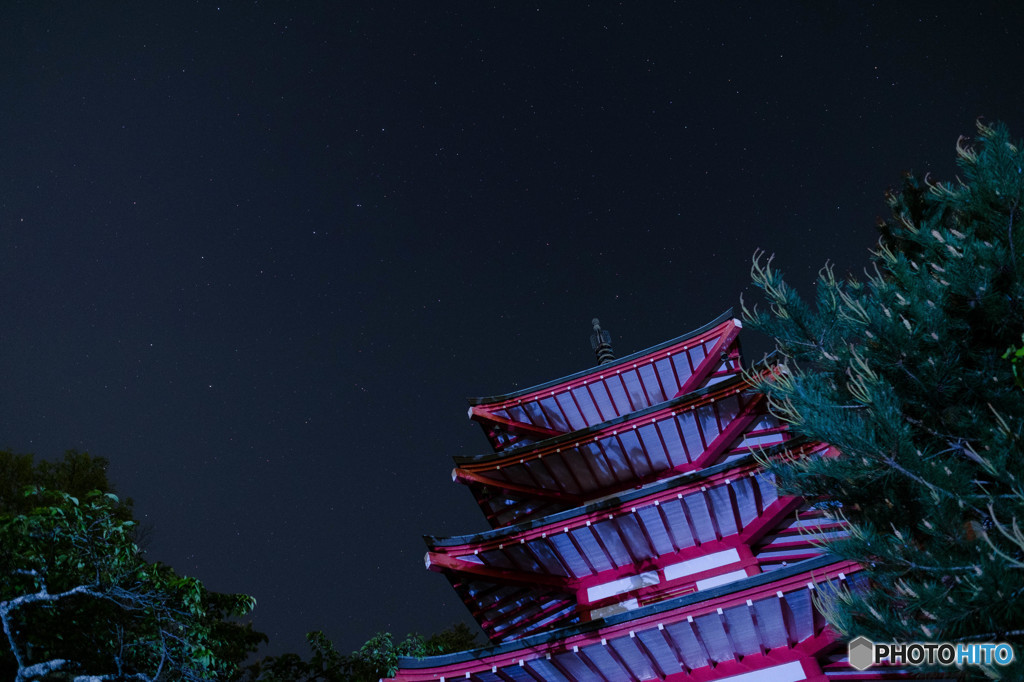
{"points": [[613, 389], [686, 433], [612, 501], [631, 543], [762, 622], [509, 604]]}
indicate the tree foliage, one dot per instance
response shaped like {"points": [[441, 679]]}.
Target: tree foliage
{"points": [[76, 474], [377, 658], [79, 601], [904, 373]]}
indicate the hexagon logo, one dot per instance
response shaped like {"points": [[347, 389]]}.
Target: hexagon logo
{"points": [[862, 653]]}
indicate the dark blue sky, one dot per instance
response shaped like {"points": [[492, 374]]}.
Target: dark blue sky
{"points": [[257, 255]]}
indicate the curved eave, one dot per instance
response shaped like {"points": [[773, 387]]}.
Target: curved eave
{"points": [[723, 388], [612, 501], [561, 572], [619, 457], [532, 647], [507, 611], [610, 366]]}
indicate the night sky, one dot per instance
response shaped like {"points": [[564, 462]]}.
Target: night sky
{"points": [[257, 254]]}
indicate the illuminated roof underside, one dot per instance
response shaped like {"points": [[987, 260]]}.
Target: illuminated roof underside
{"points": [[765, 623], [629, 550], [612, 390], [682, 434]]}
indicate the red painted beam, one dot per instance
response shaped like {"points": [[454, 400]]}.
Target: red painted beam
{"points": [[484, 416], [463, 475], [710, 361], [541, 450], [772, 516], [443, 562]]}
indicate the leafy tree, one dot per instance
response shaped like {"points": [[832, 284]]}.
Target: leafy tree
{"points": [[79, 601], [377, 658], [458, 637], [904, 373], [1015, 354], [77, 474]]}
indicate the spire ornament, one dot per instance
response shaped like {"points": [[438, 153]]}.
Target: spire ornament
{"points": [[601, 342]]}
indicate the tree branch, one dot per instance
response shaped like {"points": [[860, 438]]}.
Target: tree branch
{"points": [[38, 670], [43, 595], [931, 486], [5, 618]]}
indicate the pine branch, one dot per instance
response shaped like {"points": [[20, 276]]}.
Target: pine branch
{"points": [[887, 459], [989, 636], [972, 568], [1009, 237]]}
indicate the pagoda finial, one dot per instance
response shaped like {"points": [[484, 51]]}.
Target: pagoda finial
{"points": [[601, 342]]}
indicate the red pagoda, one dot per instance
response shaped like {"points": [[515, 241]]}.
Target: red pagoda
{"points": [[634, 535]]}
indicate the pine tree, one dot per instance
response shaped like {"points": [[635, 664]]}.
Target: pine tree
{"points": [[907, 373]]}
